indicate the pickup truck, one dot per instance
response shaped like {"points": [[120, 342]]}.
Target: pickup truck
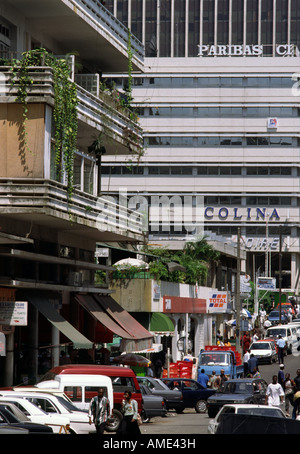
{"points": [[215, 358]]}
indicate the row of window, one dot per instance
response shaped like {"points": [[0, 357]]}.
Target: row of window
{"points": [[190, 170], [213, 82], [216, 141], [220, 112], [219, 230]]}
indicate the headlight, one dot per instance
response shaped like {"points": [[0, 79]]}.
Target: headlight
{"points": [[211, 401]]}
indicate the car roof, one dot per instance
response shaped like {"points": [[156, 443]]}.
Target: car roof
{"points": [[243, 380]]}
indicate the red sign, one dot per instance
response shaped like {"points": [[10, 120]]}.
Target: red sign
{"points": [[180, 304]]}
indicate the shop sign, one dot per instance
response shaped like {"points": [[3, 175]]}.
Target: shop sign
{"points": [[266, 283], [217, 302], [13, 313]]}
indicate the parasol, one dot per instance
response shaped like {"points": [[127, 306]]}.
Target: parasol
{"points": [[131, 359]]}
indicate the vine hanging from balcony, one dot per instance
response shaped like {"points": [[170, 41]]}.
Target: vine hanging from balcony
{"points": [[65, 106]]}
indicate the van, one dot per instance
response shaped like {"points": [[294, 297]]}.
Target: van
{"points": [[123, 378], [80, 388], [287, 332]]}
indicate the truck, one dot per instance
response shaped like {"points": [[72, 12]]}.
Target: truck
{"points": [[217, 358]]}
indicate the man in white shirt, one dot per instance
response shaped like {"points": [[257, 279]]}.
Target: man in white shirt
{"points": [[274, 393], [246, 359]]}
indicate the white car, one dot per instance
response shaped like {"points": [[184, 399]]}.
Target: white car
{"points": [[264, 351], [56, 405], [59, 424], [244, 409]]}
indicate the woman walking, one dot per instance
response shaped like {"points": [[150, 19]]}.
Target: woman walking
{"points": [[288, 393], [129, 424]]}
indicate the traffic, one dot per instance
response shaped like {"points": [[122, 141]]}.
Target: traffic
{"points": [[221, 383]]}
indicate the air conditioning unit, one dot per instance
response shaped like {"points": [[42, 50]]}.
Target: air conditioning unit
{"points": [[75, 278]]}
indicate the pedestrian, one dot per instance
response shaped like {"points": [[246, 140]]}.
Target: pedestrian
{"points": [[255, 373], [245, 362], [99, 411], [274, 393], [223, 377], [214, 381], [297, 381], [281, 376], [281, 346], [252, 364], [203, 379], [296, 404], [158, 368], [129, 409], [246, 342], [288, 387]]}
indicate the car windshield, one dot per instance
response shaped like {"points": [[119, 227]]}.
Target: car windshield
{"points": [[274, 314], [212, 358], [237, 388], [261, 346], [276, 332], [262, 411], [68, 405]]}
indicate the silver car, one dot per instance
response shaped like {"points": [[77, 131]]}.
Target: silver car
{"points": [[173, 398]]}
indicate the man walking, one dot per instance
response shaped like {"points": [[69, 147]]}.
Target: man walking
{"points": [[281, 346], [99, 411], [274, 393]]}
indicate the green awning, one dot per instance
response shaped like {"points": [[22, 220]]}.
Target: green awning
{"points": [[161, 323], [46, 308]]}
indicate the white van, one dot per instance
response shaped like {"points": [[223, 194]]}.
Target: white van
{"points": [[80, 388], [288, 333]]}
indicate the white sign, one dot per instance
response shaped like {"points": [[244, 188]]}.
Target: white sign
{"points": [[266, 283], [217, 302], [272, 123], [239, 50], [13, 313]]}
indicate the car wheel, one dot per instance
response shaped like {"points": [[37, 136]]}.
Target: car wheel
{"points": [[114, 421], [201, 406]]}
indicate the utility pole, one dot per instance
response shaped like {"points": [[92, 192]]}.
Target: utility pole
{"points": [[238, 291], [280, 270]]}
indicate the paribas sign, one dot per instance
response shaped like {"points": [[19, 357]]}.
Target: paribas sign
{"points": [[239, 50]]}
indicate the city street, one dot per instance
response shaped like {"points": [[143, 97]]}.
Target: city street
{"points": [[191, 422]]}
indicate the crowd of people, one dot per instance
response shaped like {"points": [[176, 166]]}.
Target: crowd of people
{"points": [[284, 390]]}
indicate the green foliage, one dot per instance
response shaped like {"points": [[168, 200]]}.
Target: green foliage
{"points": [[65, 105], [195, 257]]}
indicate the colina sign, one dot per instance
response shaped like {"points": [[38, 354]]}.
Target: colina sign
{"points": [[239, 50]]}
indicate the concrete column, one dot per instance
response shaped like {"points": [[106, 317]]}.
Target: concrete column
{"points": [[33, 345], [9, 360]]}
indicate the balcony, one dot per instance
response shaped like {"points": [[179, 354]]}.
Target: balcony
{"points": [[97, 111], [98, 37], [46, 203]]}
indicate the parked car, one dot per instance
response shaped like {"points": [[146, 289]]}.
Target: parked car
{"points": [[7, 417], [244, 409], [264, 351], [240, 390], [173, 398], [275, 319], [55, 405], [194, 395], [153, 405], [36, 415]]}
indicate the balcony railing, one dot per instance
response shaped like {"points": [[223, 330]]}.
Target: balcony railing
{"points": [[94, 106], [43, 198]]}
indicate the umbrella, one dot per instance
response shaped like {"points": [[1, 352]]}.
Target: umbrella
{"points": [[129, 262], [131, 359], [245, 313]]}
